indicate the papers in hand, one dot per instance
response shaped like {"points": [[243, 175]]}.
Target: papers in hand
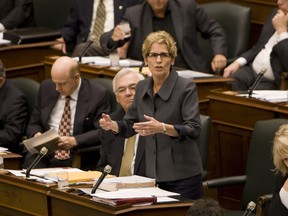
{"points": [[103, 61], [49, 139]]}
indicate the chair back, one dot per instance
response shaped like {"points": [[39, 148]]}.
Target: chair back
{"points": [[30, 89], [260, 177], [51, 13], [203, 142], [235, 20], [107, 83]]}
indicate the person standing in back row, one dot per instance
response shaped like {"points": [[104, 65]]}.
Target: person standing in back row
{"points": [[83, 19], [183, 20]]}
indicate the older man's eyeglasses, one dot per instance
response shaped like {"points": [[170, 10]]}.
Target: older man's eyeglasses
{"points": [[122, 90], [163, 55]]}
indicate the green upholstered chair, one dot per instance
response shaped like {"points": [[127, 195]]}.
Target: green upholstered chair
{"points": [[203, 142], [235, 19]]}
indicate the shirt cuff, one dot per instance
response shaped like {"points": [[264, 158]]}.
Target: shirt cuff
{"points": [[284, 197], [242, 61], [282, 36]]}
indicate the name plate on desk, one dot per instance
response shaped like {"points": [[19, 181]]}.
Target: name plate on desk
{"points": [[31, 35]]}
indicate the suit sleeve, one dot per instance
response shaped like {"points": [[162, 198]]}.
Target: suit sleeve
{"points": [[15, 122], [20, 12]]}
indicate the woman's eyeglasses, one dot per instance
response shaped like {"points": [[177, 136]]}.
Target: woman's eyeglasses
{"points": [[162, 55]]}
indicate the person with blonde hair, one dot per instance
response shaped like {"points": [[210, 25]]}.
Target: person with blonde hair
{"points": [[279, 203], [165, 110]]}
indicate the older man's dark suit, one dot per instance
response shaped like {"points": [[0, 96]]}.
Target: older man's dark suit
{"points": [[16, 13], [78, 25], [112, 148], [278, 56], [13, 116], [88, 111], [188, 18]]}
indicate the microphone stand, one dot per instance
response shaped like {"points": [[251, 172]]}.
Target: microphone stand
{"points": [[257, 81], [106, 171], [43, 152], [88, 44]]}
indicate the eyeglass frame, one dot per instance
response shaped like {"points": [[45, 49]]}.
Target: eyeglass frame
{"points": [[163, 55], [122, 90]]}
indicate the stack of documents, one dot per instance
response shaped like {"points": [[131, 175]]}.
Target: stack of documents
{"points": [[125, 182], [105, 61], [193, 74], [275, 96], [147, 195]]}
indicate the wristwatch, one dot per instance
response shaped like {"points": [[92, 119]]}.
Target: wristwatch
{"points": [[164, 127]]}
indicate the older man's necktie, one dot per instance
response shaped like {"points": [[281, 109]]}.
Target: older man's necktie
{"points": [[125, 169]]}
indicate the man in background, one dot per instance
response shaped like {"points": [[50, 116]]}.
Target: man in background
{"points": [[114, 149], [270, 54], [183, 20], [13, 113], [82, 21]]}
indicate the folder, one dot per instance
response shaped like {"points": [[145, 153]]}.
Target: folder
{"points": [[31, 35]]}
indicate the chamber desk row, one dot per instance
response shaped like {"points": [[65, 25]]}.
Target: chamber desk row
{"points": [[21, 197], [233, 120], [204, 85]]}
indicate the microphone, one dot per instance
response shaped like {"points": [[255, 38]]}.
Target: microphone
{"points": [[250, 207], [257, 81], [42, 153], [88, 44], [106, 171]]}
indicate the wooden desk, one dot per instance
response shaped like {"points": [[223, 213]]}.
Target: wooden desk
{"points": [[67, 204], [204, 85], [26, 59], [233, 120], [12, 161], [21, 197]]}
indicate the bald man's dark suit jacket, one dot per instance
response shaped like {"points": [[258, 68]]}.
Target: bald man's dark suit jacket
{"points": [[279, 54], [16, 13], [78, 25], [188, 18], [88, 111], [13, 116], [112, 148]]}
